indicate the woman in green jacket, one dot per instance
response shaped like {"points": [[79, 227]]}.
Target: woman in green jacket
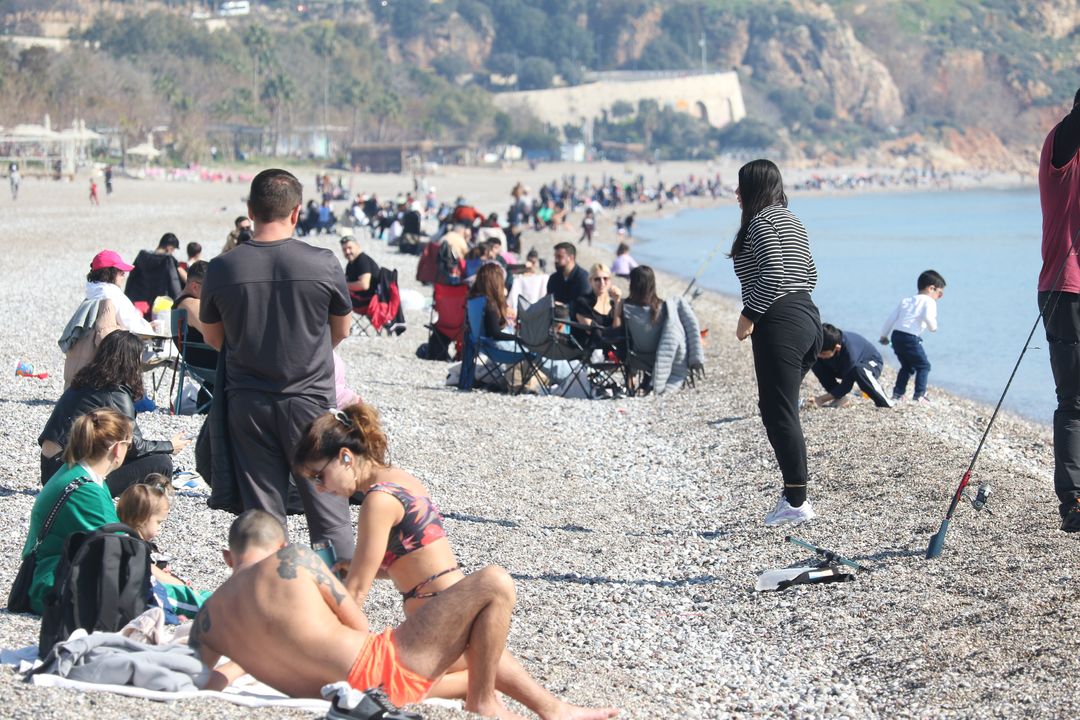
{"points": [[98, 444]]}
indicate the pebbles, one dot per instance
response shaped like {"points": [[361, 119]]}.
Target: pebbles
{"points": [[633, 527]]}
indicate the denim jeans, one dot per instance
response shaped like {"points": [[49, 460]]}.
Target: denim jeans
{"points": [[912, 357]]}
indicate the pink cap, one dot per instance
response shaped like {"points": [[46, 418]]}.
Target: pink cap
{"points": [[107, 259]]}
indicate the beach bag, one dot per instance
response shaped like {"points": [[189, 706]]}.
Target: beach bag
{"points": [[19, 597], [102, 583]]}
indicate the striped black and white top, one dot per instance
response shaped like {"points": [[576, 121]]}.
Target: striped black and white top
{"points": [[775, 260]]}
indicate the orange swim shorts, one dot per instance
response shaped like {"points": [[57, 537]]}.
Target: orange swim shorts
{"points": [[377, 665]]}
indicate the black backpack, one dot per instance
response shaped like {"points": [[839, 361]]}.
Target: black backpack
{"points": [[102, 583]]}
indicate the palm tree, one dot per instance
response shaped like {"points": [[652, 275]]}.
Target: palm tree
{"points": [[258, 42], [278, 92]]}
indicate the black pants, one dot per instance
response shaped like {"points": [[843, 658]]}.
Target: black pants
{"points": [[264, 431], [1062, 323], [132, 471], [786, 342]]}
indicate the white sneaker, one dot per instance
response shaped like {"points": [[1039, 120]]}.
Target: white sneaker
{"points": [[783, 513]]}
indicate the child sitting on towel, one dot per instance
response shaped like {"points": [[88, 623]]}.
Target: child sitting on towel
{"points": [[144, 508]]}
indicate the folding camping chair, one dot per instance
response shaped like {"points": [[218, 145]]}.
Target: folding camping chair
{"points": [[483, 349], [383, 312], [547, 336], [642, 339], [204, 376], [447, 324]]}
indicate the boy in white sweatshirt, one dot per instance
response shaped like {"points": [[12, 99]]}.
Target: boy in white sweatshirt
{"points": [[907, 322]]}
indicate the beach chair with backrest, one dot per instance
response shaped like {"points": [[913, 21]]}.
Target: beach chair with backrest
{"points": [[642, 339], [547, 337], [186, 371], [493, 360], [383, 312], [447, 324]]}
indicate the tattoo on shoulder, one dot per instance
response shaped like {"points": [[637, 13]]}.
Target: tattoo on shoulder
{"points": [[199, 627], [292, 557]]}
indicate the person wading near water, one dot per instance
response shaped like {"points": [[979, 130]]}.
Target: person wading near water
{"points": [[777, 273], [1059, 296]]}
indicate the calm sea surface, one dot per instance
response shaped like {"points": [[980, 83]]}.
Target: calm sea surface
{"points": [[870, 248]]}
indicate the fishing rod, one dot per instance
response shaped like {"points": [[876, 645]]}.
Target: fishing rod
{"points": [[937, 540], [704, 264]]}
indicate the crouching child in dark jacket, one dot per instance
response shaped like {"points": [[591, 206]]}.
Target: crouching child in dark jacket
{"points": [[847, 359]]}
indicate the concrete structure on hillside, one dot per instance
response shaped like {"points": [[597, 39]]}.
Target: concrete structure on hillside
{"points": [[715, 98]]}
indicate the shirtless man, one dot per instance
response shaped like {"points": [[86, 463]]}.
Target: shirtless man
{"points": [[320, 635]]}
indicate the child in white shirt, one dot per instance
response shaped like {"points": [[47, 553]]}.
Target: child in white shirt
{"points": [[906, 324]]}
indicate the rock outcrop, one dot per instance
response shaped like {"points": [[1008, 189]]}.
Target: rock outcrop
{"points": [[829, 65]]}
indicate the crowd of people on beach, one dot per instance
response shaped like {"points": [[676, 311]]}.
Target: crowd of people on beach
{"points": [[269, 310], [97, 470]]}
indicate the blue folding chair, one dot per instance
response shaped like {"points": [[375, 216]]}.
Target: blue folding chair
{"points": [[205, 375], [483, 349]]}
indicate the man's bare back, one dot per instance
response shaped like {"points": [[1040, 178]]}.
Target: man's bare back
{"points": [[286, 621]]}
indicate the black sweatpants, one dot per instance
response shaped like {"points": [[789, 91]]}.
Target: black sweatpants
{"points": [[1062, 324], [132, 471], [264, 431], [786, 340]]}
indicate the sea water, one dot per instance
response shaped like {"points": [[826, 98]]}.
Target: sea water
{"points": [[871, 247]]}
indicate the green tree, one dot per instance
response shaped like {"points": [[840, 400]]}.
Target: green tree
{"points": [[536, 74], [278, 92], [257, 40]]}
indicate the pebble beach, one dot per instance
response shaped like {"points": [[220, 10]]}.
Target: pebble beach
{"points": [[633, 527]]}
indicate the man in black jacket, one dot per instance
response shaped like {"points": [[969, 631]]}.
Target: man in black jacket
{"points": [[156, 273]]}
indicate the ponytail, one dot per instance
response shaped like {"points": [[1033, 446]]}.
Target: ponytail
{"points": [[355, 428], [94, 433]]}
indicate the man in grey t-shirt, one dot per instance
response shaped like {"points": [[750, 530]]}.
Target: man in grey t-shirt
{"points": [[278, 307]]}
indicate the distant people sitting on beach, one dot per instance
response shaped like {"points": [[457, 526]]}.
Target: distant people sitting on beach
{"points": [[771, 252], [623, 262], [98, 444], [190, 299], [498, 316], [531, 283], [453, 251], [144, 507], [194, 254], [361, 272], [465, 214], [848, 359], [156, 273], [596, 308], [569, 281], [105, 308], [114, 379], [906, 324], [400, 535], [412, 231], [241, 233]]}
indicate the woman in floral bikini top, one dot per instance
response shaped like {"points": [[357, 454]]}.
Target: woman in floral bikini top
{"points": [[400, 536]]}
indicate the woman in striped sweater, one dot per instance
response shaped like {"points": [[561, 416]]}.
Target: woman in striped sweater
{"points": [[774, 266]]}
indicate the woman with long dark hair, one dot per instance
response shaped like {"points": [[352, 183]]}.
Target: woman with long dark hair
{"points": [[777, 273], [113, 379]]}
